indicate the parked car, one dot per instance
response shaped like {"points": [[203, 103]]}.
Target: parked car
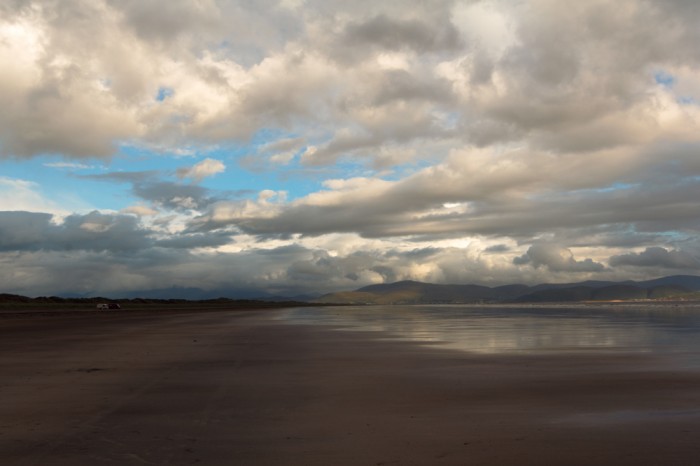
{"points": [[108, 306]]}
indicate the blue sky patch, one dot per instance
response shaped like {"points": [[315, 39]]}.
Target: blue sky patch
{"points": [[164, 93], [664, 78]]}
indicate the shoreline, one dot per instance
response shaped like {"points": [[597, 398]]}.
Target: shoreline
{"points": [[242, 388], [67, 309]]}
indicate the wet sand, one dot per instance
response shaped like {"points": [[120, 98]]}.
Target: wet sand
{"points": [[241, 388]]}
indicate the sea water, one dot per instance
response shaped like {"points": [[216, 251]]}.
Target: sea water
{"points": [[503, 329]]}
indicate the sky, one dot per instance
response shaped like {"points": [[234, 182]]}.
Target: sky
{"points": [[310, 146]]}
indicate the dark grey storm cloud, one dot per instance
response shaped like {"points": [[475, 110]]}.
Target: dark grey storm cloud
{"points": [[402, 86], [192, 241], [497, 248], [181, 18], [658, 257], [386, 33], [28, 231], [20, 231], [175, 196]]}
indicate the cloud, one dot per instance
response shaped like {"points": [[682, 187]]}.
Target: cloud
{"points": [[55, 101], [89, 75], [483, 192], [279, 152], [657, 257], [173, 196], [100, 254], [139, 210], [534, 132], [201, 170], [96, 253], [180, 20], [69, 165], [557, 259], [383, 33], [123, 177], [29, 231], [24, 195], [23, 230], [497, 248], [191, 241]]}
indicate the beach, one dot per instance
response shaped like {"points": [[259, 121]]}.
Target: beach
{"points": [[247, 388]]}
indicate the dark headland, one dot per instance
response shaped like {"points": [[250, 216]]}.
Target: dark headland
{"points": [[684, 287]]}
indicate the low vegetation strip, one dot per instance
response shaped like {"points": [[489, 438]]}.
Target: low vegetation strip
{"points": [[22, 306]]}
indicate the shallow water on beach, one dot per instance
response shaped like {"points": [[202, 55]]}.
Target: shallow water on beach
{"points": [[492, 329]]}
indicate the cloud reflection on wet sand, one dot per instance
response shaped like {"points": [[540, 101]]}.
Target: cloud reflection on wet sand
{"points": [[511, 329]]}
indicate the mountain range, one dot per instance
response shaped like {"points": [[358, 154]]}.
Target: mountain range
{"points": [[413, 292]]}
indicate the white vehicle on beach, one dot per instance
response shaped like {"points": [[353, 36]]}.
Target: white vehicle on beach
{"points": [[106, 306]]}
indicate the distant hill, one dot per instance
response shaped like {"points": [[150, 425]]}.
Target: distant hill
{"points": [[618, 292], [412, 292], [199, 294]]}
